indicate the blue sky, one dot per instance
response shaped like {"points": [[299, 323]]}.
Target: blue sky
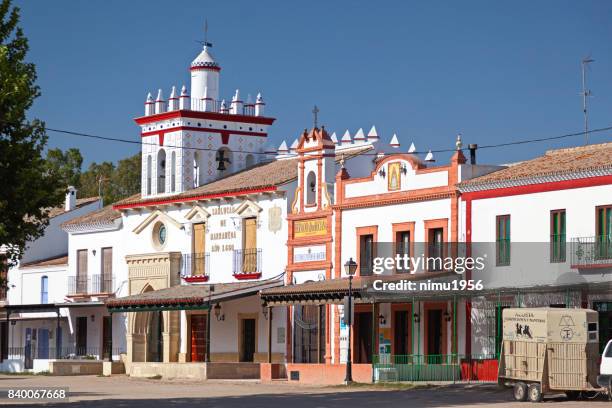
{"points": [[494, 71]]}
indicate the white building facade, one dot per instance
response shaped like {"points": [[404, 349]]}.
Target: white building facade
{"points": [[37, 316]]}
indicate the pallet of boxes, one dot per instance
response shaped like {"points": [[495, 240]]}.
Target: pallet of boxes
{"points": [[549, 351]]}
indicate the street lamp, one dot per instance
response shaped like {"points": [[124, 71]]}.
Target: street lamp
{"points": [[350, 267]]}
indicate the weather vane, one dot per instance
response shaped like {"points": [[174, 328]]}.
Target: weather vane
{"points": [[205, 43], [315, 113]]}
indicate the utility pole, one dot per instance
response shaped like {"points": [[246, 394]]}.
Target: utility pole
{"points": [[586, 93]]}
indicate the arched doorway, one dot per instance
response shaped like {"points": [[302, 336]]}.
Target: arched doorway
{"points": [[147, 335], [155, 340]]}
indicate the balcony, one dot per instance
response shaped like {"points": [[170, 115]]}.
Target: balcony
{"points": [[591, 252], [195, 267], [94, 285], [247, 263]]}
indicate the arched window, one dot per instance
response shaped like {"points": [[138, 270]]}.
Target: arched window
{"points": [[161, 171], [173, 172], [44, 289], [224, 161], [196, 170], [249, 160], [148, 175], [311, 188]]}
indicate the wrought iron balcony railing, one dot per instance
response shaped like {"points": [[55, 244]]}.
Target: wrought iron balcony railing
{"points": [[247, 262], [85, 285], [195, 265], [591, 252], [558, 248]]}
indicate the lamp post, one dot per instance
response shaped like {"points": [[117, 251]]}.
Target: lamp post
{"points": [[349, 268]]}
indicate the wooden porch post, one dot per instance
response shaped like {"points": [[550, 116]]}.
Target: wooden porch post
{"points": [[319, 308], [8, 336], [57, 337], [269, 334], [110, 342]]}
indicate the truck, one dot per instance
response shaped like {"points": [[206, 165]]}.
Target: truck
{"points": [[550, 351]]}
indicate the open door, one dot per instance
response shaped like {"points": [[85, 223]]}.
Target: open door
{"points": [[247, 353]]}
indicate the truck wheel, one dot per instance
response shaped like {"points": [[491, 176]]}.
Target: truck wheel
{"points": [[535, 393], [520, 391]]}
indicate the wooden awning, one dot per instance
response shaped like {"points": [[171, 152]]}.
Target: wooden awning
{"points": [[334, 291], [189, 297]]}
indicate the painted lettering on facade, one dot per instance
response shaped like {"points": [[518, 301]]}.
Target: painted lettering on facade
{"points": [[310, 228]]}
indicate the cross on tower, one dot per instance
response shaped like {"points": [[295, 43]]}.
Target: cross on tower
{"points": [[315, 113]]}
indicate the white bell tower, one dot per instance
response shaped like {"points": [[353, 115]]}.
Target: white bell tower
{"points": [[193, 139], [204, 80]]}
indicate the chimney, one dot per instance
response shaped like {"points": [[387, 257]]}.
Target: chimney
{"points": [[70, 199], [473, 148]]}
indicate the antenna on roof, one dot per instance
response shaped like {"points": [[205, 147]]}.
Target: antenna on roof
{"points": [[586, 93], [205, 43]]}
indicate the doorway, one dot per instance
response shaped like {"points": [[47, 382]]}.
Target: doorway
{"points": [[247, 350], [107, 337], [43, 343], [605, 323], [363, 338], [155, 340], [401, 335], [81, 336], [4, 338], [198, 337], [30, 335], [434, 336]]}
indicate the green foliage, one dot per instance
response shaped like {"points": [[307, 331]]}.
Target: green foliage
{"points": [[66, 166], [28, 188], [118, 182]]}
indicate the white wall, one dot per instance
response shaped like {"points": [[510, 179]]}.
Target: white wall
{"points": [[179, 239], [385, 216], [529, 224], [27, 284], [96, 240], [225, 334], [54, 242]]}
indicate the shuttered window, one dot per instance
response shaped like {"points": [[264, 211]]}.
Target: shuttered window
{"points": [[107, 262], [249, 257], [82, 263]]}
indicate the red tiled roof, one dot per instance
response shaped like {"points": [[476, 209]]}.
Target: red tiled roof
{"points": [[554, 162], [56, 260], [80, 202], [263, 175], [102, 216]]}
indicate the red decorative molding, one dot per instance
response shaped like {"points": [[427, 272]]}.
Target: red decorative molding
{"points": [[247, 276], [224, 132], [225, 117], [592, 266], [195, 279], [205, 68], [148, 203], [539, 188]]}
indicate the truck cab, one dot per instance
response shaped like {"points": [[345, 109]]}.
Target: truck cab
{"points": [[605, 369]]}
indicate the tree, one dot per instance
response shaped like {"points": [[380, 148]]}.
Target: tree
{"points": [[66, 166], [117, 182], [127, 177], [28, 190]]}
